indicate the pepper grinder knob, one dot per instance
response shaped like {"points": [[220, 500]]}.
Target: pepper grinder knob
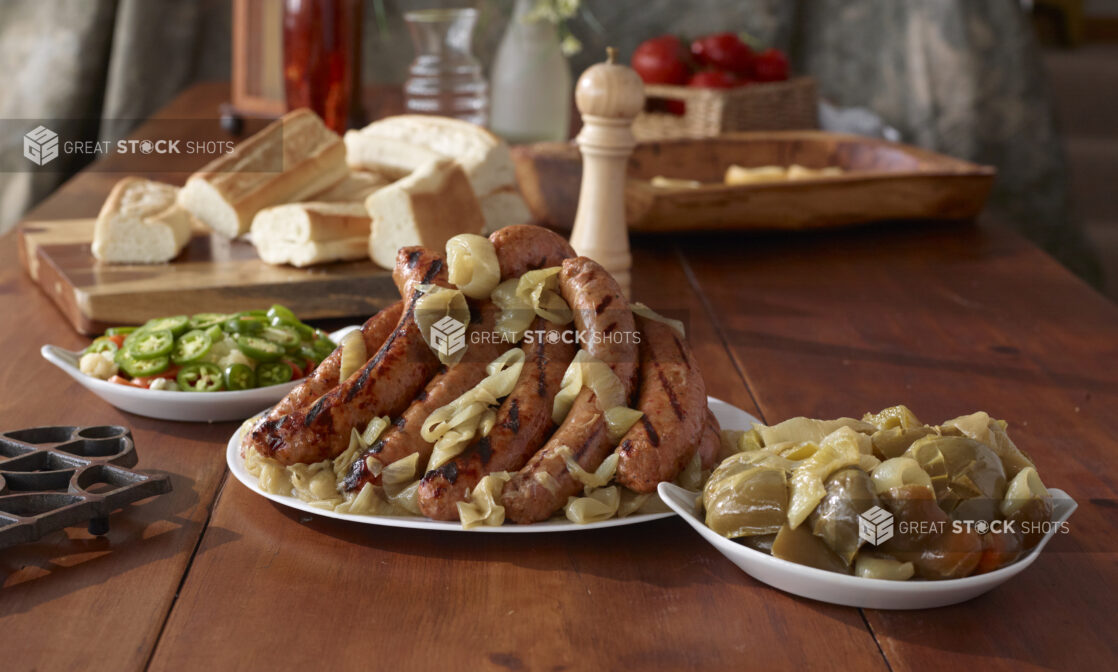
{"points": [[609, 96]]}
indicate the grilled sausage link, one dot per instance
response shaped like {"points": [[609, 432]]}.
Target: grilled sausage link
{"points": [[523, 424], [403, 438], [672, 401], [522, 248], [385, 385], [374, 332], [606, 330]]}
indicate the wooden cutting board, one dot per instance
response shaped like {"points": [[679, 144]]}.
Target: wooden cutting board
{"points": [[213, 274]]}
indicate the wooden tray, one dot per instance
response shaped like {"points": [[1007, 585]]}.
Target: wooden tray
{"points": [[213, 274], [885, 181]]}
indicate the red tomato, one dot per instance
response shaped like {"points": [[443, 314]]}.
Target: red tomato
{"points": [[120, 380], [714, 79], [723, 51], [296, 372], [771, 65], [661, 60], [118, 339]]}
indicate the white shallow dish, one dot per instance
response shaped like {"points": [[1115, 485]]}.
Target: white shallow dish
{"points": [[728, 416], [167, 405], [853, 591]]}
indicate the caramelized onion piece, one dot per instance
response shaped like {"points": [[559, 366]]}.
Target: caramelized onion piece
{"points": [[747, 501], [472, 267]]}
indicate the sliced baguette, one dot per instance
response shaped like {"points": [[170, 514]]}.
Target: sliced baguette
{"points": [[428, 207], [502, 208], [398, 145], [354, 188], [292, 158], [140, 223], [304, 234]]}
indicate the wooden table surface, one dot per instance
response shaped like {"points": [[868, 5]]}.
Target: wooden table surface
{"points": [[947, 318]]}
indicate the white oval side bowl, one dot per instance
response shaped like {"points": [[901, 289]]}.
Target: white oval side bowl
{"points": [[167, 405], [853, 591]]}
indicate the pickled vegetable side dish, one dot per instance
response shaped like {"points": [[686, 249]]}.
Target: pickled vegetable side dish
{"points": [[208, 352], [884, 497]]}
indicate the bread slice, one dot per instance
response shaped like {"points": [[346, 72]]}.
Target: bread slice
{"points": [[292, 158], [304, 234], [141, 223], [426, 208], [502, 208], [398, 145], [354, 188]]}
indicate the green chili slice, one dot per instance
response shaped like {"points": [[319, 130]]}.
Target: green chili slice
{"points": [[239, 377], [273, 373], [101, 344], [200, 377], [141, 368], [176, 325], [118, 331], [150, 343], [258, 348], [207, 320], [191, 346]]}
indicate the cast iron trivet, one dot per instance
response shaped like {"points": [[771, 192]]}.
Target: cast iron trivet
{"points": [[55, 477]]}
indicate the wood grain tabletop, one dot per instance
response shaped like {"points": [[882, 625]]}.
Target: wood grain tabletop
{"points": [[946, 318]]}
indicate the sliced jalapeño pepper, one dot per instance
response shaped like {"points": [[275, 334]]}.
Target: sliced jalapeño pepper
{"points": [[176, 325], [282, 312], [243, 324], [191, 346], [323, 347], [117, 331], [305, 331], [200, 377], [101, 344], [284, 336], [273, 373], [215, 333], [258, 348], [141, 368], [207, 320], [150, 343], [239, 377]]}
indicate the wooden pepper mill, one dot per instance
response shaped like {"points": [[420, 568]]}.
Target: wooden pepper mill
{"points": [[609, 96]]}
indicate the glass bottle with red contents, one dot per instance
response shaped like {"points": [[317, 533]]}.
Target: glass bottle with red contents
{"points": [[320, 45]]}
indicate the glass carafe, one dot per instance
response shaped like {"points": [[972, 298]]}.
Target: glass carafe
{"points": [[445, 78]]}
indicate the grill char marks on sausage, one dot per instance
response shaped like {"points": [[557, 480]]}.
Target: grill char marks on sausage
{"points": [[672, 401], [584, 285], [523, 424], [383, 386]]}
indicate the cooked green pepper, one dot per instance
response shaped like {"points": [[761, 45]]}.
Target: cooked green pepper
{"points": [[239, 377], [273, 373], [141, 368], [200, 377], [117, 331], [191, 346], [101, 344], [282, 312], [150, 343], [242, 324], [176, 325], [258, 348], [308, 353], [207, 320], [284, 336]]}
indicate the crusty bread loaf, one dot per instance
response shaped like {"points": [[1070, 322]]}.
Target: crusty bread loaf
{"points": [[354, 188], [141, 223], [292, 158], [398, 145], [304, 234], [428, 207], [504, 207]]}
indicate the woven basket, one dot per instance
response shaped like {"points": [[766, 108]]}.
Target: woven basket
{"points": [[771, 106]]}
